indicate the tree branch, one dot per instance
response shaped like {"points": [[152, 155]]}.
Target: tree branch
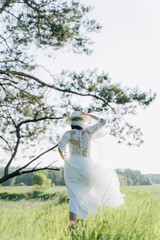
{"points": [[20, 170], [14, 174], [15, 149], [31, 6], [12, 60], [6, 4], [59, 89], [37, 165], [6, 142], [4, 40], [33, 96], [19, 21], [18, 141], [8, 106], [7, 79], [40, 155], [40, 81], [40, 169], [37, 120], [52, 86]]}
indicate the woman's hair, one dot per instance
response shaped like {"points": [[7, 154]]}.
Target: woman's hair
{"points": [[76, 127], [77, 123]]}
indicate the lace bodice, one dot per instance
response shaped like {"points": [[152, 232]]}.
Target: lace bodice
{"points": [[79, 140]]}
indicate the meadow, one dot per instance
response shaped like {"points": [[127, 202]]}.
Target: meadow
{"points": [[36, 219]]}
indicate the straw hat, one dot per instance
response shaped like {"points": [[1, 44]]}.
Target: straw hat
{"points": [[76, 114]]}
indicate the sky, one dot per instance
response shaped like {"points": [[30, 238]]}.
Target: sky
{"points": [[128, 48]]}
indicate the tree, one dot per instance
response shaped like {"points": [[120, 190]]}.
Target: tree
{"points": [[155, 178], [41, 180], [27, 117], [135, 177], [124, 181]]}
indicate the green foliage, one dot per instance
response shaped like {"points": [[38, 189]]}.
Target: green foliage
{"points": [[20, 184], [16, 189], [127, 177], [25, 179], [28, 116], [124, 181], [56, 194], [155, 178], [110, 98], [56, 177], [134, 177], [52, 23], [12, 196], [44, 220], [12, 182], [41, 180]]}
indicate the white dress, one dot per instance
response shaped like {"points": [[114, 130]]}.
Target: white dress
{"points": [[89, 185]]}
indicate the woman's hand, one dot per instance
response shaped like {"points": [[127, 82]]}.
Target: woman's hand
{"points": [[63, 155], [82, 113], [85, 114], [94, 117]]}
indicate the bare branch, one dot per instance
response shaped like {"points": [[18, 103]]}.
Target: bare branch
{"points": [[31, 6], [33, 160], [37, 165], [14, 174], [15, 148], [38, 26], [6, 4], [9, 80], [20, 170], [4, 40], [13, 60], [51, 163], [6, 91], [40, 169], [8, 106], [14, 123], [4, 84], [18, 141], [37, 120], [13, 15], [6, 142], [6, 61]]}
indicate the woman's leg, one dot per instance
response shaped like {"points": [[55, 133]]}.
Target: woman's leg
{"points": [[73, 219]]}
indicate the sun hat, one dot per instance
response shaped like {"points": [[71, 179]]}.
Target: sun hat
{"points": [[76, 114]]}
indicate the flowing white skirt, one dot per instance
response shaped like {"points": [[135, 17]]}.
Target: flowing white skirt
{"points": [[90, 186]]}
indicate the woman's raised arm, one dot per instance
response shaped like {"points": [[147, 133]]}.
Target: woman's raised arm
{"points": [[101, 122]]}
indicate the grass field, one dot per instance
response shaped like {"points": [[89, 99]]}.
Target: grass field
{"points": [[25, 189], [46, 220]]}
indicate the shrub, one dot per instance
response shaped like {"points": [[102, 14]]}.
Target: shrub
{"points": [[41, 180]]}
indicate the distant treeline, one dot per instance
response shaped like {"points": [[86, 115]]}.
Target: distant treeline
{"points": [[154, 177], [133, 177], [126, 176], [57, 178]]}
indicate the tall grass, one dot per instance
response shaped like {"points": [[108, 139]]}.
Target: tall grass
{"points": [[39, 220]]}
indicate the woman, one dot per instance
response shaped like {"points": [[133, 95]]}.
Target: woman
{"points": [[89, 186]]}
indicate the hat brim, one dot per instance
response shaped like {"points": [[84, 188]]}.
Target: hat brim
{"points": [[68, 120]]}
